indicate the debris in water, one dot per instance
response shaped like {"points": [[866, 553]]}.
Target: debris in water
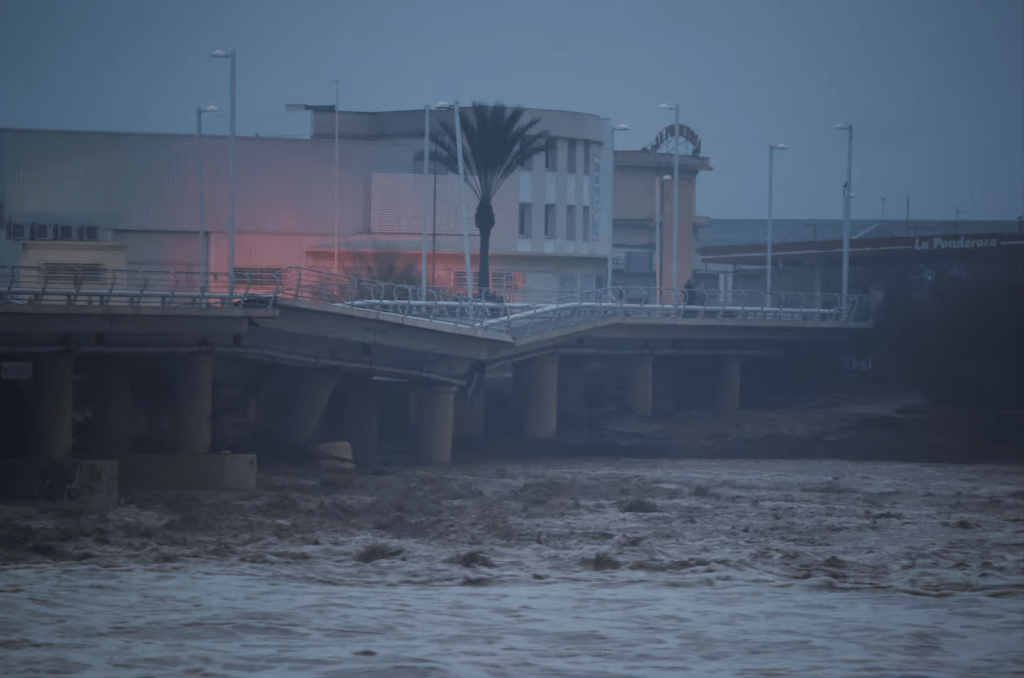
{"points": [[602, 561], [377, 551], [472, 559]]}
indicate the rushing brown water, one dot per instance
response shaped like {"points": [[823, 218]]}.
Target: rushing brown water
{"points": [[599, 568]]}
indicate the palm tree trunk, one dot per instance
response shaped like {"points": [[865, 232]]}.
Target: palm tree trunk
{"points": [[485, 261], [484, 219]]}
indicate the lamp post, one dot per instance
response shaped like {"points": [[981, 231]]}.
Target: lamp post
{"points": [[659, 185], [462, 194], [768, 270], [335, 177], [847, 195], [624, 127], [675, 197], [219, 54], [426, 162], [202, 195]]}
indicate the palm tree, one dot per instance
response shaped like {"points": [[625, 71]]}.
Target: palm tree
{"points": [[496, 142]]}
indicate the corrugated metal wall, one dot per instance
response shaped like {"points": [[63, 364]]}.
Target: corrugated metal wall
{"points": [[149, 182]]}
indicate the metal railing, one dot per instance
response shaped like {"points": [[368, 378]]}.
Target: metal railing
{"points": [[87, 285], [90, 286]]}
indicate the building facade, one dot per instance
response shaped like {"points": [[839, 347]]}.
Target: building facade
{"points": [[642, 236], [132, 200]]}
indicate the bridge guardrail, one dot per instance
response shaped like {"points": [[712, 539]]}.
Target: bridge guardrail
{"points": [[91, 285]]}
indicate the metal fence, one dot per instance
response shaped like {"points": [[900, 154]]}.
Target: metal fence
{"points": [[90, 285]]}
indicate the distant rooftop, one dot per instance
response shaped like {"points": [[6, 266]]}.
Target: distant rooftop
{"points": [[719, 232]]}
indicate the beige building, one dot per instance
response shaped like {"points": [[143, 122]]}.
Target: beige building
{"points": [[131, 201]]}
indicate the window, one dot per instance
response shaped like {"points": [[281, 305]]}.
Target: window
{"points": [[525, 219], [570, 222], [586, 223], [570, 156], [551, 155], [549, 221], [639, 261], [586, 157]]}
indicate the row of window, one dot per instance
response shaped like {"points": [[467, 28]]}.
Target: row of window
{"points": [[551, 157], [550, 221]]}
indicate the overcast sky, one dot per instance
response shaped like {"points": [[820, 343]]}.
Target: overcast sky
{"points": [[934, 88]]}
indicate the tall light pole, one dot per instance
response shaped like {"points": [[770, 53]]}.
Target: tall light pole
{"points": [[847, 195], [335, 177], [768, 270], [426, 162], [219, 54], [200, 183], [462, 202], [675, 198], [659, 186], [624, 127]]}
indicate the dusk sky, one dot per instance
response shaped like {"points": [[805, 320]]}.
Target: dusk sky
{"points": [[934, 88]]}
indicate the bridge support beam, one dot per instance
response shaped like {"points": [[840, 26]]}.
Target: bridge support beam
{"points": [[111, 415], [435, 420], [572, 403], [192, 388], [313, 391], [361, 416], [537, 384], [54, 405], [728, 383], [640, 385]]}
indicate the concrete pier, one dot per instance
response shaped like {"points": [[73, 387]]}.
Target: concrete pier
{"points": [[312, 391], [361, 416], [192, 389], [537, 386], [470, 412], [572, 394], [728, 392], [54, 406], [435, 418], [111, 413], [640, 385]]}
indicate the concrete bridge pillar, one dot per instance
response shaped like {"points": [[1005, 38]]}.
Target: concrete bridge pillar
{"points": [[537, 383], [470, 412], [312, 393], [435, 417], [361, 416], [111, 414], [728, 383], [192, 406], [663, 386], [54, 405], [640, 385], [572, 403]]}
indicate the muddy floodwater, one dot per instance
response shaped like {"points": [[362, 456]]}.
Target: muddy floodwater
{"points": [[583, 568]]}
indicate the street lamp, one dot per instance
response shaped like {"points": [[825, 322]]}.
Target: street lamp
{"points": [[847, 195], [768, 274], [623, 127], [462, 194], [675, 198], [423, 244], [659, 184], [202, 195], [335, 177], [219, 54]]}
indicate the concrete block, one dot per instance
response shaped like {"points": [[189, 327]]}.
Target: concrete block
{"points": [[97, 483], [340, 449], [190, 472]]}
